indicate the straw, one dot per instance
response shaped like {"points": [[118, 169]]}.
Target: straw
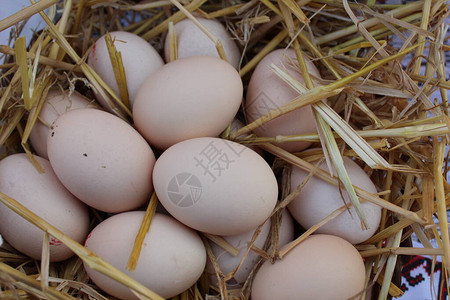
{"points": [[438, 157], [397, 12], [21, 58], [178, 16], [43, 60], [173, 54], [26, 13], [377, 112], [118, 69], [214, 39], [143, 230], [222, 243], [26, 283], [316, 94], [413, 217], [88, 257]]}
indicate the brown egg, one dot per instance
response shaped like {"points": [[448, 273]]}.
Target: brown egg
{"points": [[43, 194], [318, 199], [191, 41], [321, 267], [56, 104], [171, 260], [191, 97], [139, 59], [266, 91], [101, 159]]}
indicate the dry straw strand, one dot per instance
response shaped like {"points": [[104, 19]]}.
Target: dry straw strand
{"points": [[317, 94], [296, 10], [173, 52], [23, 281], [43, 60], [396, 12], [438, 157], [328, 141], [395, 242], [26, 13], [393, 290], [205, 30], [378, 112], [222, 12], [142, 233], [118, 69], [271, 6], [95, 80], [45, 262], [302, 164], [88, 257], [222, 243], [178, 16], [21, 59]]}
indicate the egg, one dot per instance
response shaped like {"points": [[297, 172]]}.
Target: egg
{"points": [[188, 98], [44, 195], [139, 60], [2, 147], [266, 91], [56, 103], [321, 267], [171, 260], [101, 159], [318, 199], [228, 263], [215, 185], [191, 41]]}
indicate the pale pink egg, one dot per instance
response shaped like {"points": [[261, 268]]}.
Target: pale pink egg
{"points": [[321, 267], [101, 159], [44, 195], [171, 260], [266, 91]]}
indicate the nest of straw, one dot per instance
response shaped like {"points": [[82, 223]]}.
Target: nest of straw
{"points": [[382, 109]]}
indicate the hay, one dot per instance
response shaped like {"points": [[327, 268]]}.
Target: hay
{"points": [[401, 143]]}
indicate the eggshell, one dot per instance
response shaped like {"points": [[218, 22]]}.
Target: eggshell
{"points": [[43, 194], [215, 185], [228, 263], [319, 198], [190, 97], [56, 104], [266, 91], [172, 257], [321, 267], [191, 41], [139, 59], [101, 159]]}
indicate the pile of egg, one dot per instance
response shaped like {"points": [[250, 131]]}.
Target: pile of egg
{"points": [[204, 183]]}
